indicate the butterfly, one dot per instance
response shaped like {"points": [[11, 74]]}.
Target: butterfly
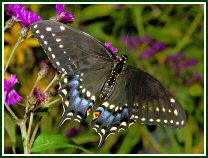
{"points": [[94, 81]]}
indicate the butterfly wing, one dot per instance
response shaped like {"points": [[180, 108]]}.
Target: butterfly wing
{"points": [[137, 97], [84, 62], [150, 103], [70, 49], [114, 112]]}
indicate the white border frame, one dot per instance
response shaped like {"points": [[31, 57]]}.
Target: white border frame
{"points": [[204, 4]]}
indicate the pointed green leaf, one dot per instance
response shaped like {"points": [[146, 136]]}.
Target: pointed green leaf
{"points": [[46, 141]]}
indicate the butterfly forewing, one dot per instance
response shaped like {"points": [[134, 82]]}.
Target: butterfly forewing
{"points": [[70, 49]]}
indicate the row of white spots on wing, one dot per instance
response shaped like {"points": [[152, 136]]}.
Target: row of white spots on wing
{"points": [[62, 28], [106, 104], [83, 90], [63, 69], [53, 56], [123, 123], [64, 91], [93, 98], [45, 42], [42, 37], [57, 63], [37, 31], [113, 128], [53, 34], [172, 100], [70, 114], [58, 39], [61, 46], [66, 103], [49, 49], [163, 109], [103, 131], [176, 112], [48, 29], [35, 26], [65, 80]]}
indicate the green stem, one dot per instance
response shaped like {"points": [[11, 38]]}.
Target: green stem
{"points": [[20, 39], [23, 132], [36, 83], [189, 32], [57, 99], [27, 143], [139, 21], [34, 133], [51, 83], [11, 112]]}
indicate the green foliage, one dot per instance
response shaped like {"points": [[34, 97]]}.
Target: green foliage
{"points": [[45, 142]]}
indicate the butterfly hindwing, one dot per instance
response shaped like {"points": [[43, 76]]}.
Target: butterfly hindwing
{"points": [[150, 103], [113, 113]]}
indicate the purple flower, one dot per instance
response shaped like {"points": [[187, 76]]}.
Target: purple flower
{"points": [[178, 62], [22, 14], [63, 15], [154, 49], [132, 41], [11, 97], [113, 50], [154, 46], [188, 63], [196, 77], [39, 96]]}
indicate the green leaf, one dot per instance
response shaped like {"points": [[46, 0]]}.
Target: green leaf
{"points": [[95, 11], [195, 90], [10, 126], [46, 141]]}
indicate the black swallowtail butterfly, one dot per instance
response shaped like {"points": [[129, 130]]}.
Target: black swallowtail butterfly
{"points": [[95, 81]]}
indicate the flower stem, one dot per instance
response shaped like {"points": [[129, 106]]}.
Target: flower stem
{"points": [[34, 133], [27, 143], [11, 112], [23, 132], [20, 39], [51, 83]]}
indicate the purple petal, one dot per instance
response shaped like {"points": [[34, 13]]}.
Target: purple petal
{"points": [[13, 97], [22, 14], [113, 50], [39, 96], [148, 53], [60, 8], [159, 46], [63, 15]]}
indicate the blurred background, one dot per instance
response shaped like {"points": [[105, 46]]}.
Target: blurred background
{"points": [[165, 40]]}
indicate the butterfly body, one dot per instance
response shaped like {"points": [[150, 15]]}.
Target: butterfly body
{"points": [[96, 82]]}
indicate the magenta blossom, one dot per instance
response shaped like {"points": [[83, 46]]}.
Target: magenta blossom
{"points": [[113, 50], [11, 97], [63, 15], [22, 14], [39, 96]]}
